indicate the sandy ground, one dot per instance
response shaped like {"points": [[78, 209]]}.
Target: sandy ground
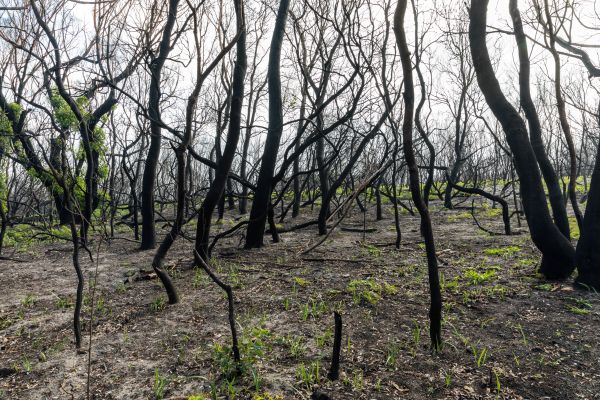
{"points": [[507, 333]]}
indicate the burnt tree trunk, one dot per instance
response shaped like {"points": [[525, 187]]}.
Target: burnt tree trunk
{"points": [[588, 247], [558, 256], [559, 210], [562, 114], [215, 193], [149, 176], [262, 195], [296, 166], [430, 170], [3, 219], [435, 309], [347, 171]]}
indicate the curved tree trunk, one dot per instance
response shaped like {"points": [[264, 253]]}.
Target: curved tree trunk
{"points": [[296, 166], [459, 139], [559, 210], [378, 205], [149, 176], [182, 156], [323, 175], [588, 247], [159, 256], [435, 309], [358, 152], [562, 115], [262, 195], [253, 101], [558, 256], [430, 148], [215, 193]]}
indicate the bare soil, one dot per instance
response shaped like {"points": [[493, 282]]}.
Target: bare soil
{"points": [[507, 333]]}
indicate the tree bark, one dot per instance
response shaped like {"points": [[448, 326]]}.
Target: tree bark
{"points": [[149, 176], [588, 247], [562, 114], [430, 148], [558, 256], [435, 309], [3, 218], [262, 195], [559, 210], [215, 193]]}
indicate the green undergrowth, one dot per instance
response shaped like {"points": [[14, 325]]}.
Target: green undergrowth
{"points": [[369, 291]]}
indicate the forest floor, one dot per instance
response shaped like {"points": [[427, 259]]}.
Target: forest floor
{"points": [[507, 333]]}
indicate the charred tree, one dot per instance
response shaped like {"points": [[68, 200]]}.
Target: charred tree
{"points": [[558, 256], [561, 106], [559, 210], [262, 195], [215, 193], [435, 309], [588, 247], [154, 114]]}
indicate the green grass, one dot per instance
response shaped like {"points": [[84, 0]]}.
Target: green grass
{"points": [[310, 374], [547, 287], [502, 251], [578, 310], [449, 285], [579, 306], [526, 262], [296, 345], [475, 277], [300, 282], [373, 250], [313, 308], [574, 228], [28, 301], [369, 290], [24, 236], [159, 386], [254, 343], [459, 217], [159, 304], [266, 396], [64, 303], [492, 212]]}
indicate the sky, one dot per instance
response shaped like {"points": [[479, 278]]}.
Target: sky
{"points": [[501, 46]]}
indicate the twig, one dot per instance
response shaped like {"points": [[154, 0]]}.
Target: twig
{"points": [[491, 233], [226, 233], [12, 259], [348, 202], [332, 260], [235, 348]]}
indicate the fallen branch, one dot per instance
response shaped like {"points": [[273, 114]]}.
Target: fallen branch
{"points": [[11, 259], [349, 201], [295, 227], [490, 196], [226, 233], [358, 230], [331, 260], [491, 233]]}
